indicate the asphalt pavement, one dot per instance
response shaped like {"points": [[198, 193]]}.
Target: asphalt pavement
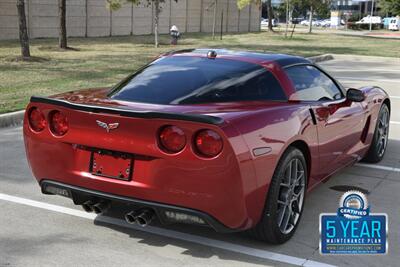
{"points": [[38, 230]]}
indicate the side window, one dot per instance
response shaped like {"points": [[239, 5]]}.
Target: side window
{"points": [[262, 87], [311, 84]]}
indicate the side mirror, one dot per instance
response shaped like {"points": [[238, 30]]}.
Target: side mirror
{"points": [[355, 95]]}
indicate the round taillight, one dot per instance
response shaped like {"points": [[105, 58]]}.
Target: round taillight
{"points": [[172, 139], [37, 121], [58, 123], [208, 143]]}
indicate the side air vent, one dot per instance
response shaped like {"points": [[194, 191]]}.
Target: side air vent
{"points": [[365, 130], [314, 119]]}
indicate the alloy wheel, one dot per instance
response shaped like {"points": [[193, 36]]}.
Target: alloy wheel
{"points": [[383, 132], [291, 196]]}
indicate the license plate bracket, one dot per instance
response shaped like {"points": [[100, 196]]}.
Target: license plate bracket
{"points": [[111, 164]]}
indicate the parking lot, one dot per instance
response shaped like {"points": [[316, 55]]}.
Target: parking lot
{"points": [[38, 230]]}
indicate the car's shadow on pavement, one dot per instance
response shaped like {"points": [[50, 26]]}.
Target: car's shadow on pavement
{"points": [[189, 248], [304, 243]]}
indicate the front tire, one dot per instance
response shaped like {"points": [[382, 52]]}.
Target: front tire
{"points": [[381, 135], [285, 200]]}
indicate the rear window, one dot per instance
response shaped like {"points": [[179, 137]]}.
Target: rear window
{"points": [[194, 80]]}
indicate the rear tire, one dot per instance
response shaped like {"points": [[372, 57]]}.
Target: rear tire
{"points": [[285, 199], [379, 142]]}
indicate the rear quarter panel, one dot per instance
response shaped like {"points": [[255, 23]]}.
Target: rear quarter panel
{"points": [[276, 129]]}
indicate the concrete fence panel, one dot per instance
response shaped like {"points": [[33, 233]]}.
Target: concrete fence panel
{"points": [[92, 18], [194, 15]]}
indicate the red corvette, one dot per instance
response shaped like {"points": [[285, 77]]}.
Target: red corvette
{"points": [[231, 140]]}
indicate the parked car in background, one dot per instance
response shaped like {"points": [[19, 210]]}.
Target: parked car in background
{"points": [[297, 20], [369, 19], [325, 23], [394, 24], [264, 23], [316, 23], [304, 22]]}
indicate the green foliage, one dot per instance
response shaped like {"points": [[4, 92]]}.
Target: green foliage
{"points": [[390, 6], [243, 3], [321, 8], [280, 10]]}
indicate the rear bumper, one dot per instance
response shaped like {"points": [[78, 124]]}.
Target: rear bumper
{"points": [[79, 195], [224, 187]]}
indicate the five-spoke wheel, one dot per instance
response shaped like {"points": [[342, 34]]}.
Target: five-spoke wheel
{"points": [[285, 199]]}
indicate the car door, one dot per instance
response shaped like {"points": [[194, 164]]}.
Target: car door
{"points": [[340, 122]]}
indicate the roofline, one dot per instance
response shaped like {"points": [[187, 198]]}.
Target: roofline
{"points": [[283, 60]]}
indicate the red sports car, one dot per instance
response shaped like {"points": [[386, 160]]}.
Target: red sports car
{"points": [[231, 140]]}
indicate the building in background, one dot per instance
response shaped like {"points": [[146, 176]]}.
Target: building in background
{"points": [[357, 8], [91, 18]]}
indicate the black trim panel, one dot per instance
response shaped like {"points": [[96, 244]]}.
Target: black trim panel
{"points": [[129, 113], [158, 207], [314, 119]]}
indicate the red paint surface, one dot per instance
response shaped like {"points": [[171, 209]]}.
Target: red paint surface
{"points": [[232, 187]]}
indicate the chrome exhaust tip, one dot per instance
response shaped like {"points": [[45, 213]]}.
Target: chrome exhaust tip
{"points": [[88, 206], [145, 217], [101, 207], [130, 217]]}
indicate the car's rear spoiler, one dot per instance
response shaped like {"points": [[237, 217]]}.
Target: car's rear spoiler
{"points": [[129, 113]]}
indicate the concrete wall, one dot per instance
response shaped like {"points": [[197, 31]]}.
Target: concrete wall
{"points": [[91, 18]]}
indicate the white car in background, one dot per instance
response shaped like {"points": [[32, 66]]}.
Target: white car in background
{"points": [[369, 19], [394, 24], [326, 23], [305, 22], [264, 23]]}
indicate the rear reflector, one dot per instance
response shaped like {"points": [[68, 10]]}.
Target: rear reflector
{"points": [[172, 139], [37, 121], [58, 123], [208, 143]]}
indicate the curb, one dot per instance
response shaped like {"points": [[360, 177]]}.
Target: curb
{"points": [[12, 119], [321, 58]]}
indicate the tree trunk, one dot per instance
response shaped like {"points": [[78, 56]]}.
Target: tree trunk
{"points": [[62, 39], [311, 19], [23, 31], [270, 15], [156, 19]]}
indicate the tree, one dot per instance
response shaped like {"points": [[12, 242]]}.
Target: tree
{"points": [[23, 31], [243, 3], [270, 13], [117, 4], [390, 6], [313, 7], [62, 31]]}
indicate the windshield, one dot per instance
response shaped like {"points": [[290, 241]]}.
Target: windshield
{"points": [[193, 80]]}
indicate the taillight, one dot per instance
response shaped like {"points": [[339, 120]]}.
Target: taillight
{"points": [[208, 143], [37, 121], [58, 123], [172, 139]]}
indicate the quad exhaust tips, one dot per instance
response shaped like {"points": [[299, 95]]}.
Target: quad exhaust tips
{"points": [[96, 207], [130, 217], [142, 217]]}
